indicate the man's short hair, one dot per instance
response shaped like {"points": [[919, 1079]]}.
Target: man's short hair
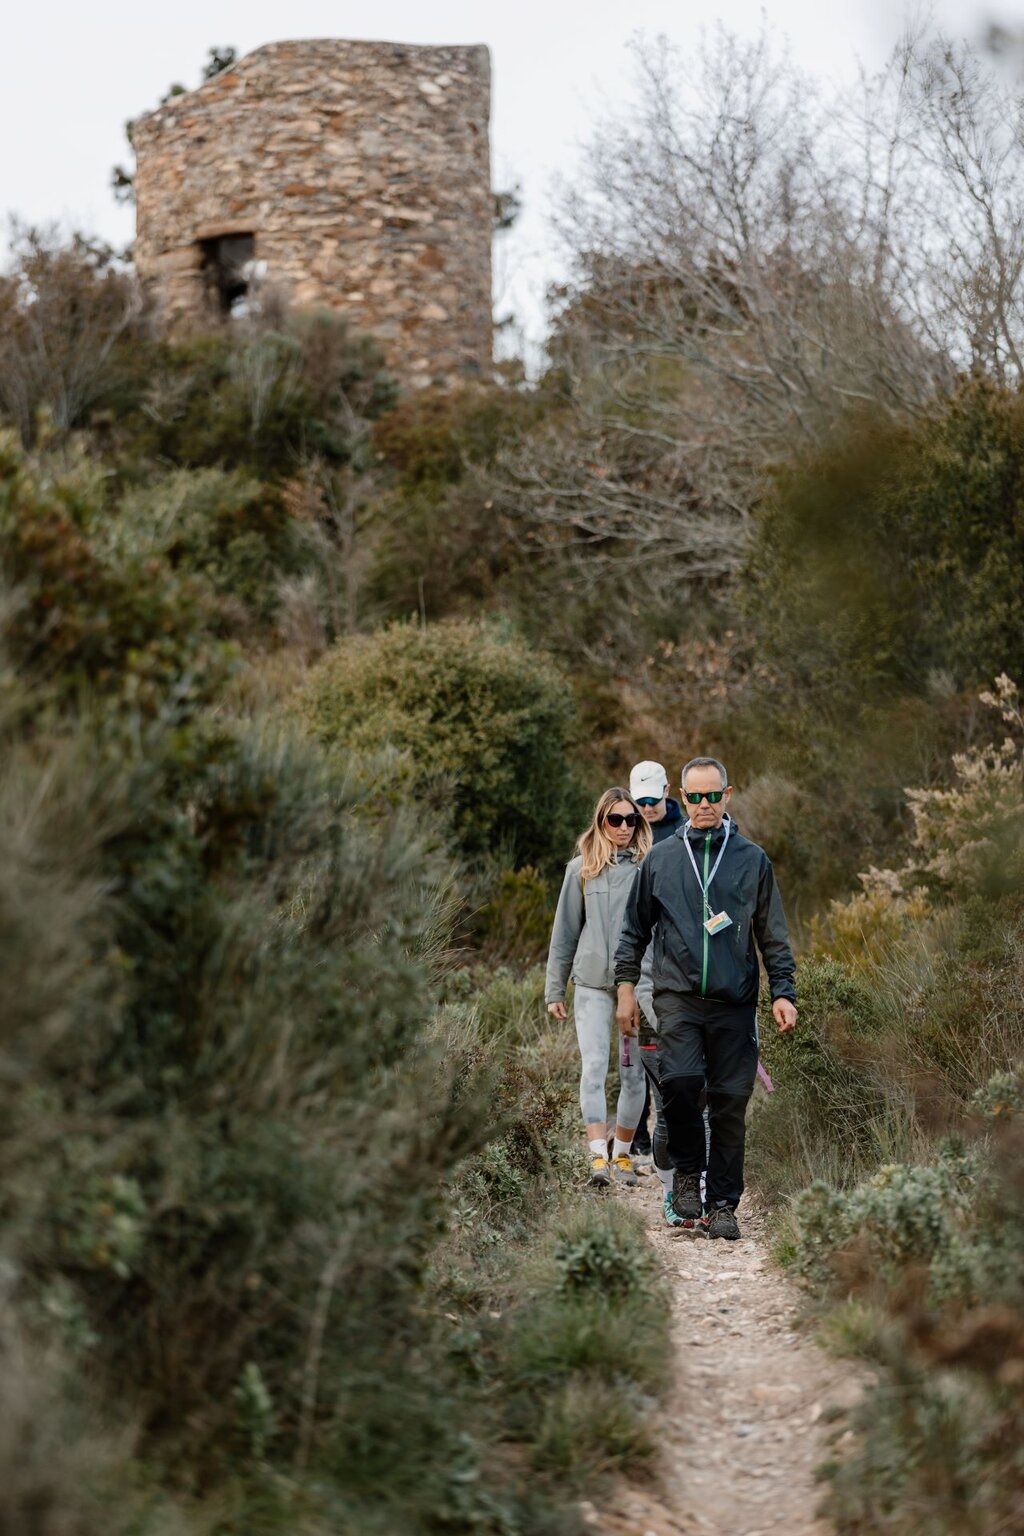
{"points": [[705, 762]]}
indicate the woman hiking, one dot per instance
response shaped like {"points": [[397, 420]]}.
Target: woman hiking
{"points": [[583, 942]]}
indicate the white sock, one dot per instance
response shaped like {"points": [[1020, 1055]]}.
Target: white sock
{"points": [[599, 1148], [622, 1147], [665, 1175]]}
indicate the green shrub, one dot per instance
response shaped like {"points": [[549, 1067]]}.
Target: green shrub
{"points": [[964, 1017], [593, 1329], [859, 675], [904, 1214], [222, 526], [515, 921], [937, 1437], [224, 986], [1002, 1095], [575, 1441], [68, 321], [602, 1259], [439, 546], [935, 1452], [485, 726], [83, 619], [941, 499], [434, 436], [600, 1303], [254, 398], [242, 940], [64, 1469], [533, 1098], [510, 1008], [926, 1260], [438, 551], [832, 1112]]}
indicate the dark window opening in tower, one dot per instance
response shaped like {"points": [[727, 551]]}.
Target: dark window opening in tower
{"points": [[227, 261]]}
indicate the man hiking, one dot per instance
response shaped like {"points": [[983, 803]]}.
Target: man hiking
{"points": [[711, 895]]}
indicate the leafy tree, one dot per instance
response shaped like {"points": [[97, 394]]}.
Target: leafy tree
{"points": [[64, 308], [896, 554]]}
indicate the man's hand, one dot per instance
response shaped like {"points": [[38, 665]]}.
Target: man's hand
{"points": [[627, 1012], [557, 1010], [784, 1014]]}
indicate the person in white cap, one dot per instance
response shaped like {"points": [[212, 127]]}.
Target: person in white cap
{"points": [[648, 784]]}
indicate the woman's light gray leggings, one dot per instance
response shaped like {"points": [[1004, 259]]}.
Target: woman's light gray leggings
{"points": [[594, 1011]]}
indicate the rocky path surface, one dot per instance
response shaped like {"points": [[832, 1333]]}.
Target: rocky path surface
{"points": [[745, 1424]]}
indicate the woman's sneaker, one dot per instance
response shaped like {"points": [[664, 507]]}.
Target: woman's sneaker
{"points": [[672, 1219], [600, 1173], [623, 1167], [721, 1222]]}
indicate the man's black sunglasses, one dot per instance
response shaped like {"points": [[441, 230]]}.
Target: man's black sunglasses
{"points": [[651, 800], [695, 796], [616, 819]]}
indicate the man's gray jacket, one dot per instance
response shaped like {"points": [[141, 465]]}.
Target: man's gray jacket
{"points": [[667, 901]]}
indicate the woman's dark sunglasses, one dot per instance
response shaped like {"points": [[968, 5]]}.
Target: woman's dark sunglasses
{"points": [[616, 819], [695, 796]]}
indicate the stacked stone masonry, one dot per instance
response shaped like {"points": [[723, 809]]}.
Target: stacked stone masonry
{"points": [[347, 175]]}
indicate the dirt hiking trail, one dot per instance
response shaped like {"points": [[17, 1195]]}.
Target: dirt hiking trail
{"points": [[746, 1421]]}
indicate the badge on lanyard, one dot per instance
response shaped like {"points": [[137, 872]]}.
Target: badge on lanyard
{"points": [[715, 921]]}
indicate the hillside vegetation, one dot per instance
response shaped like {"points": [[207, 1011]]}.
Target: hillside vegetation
{"points": [[306, 685]]}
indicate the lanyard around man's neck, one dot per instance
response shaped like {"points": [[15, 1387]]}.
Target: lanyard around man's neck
{"points": [[704, 888]]}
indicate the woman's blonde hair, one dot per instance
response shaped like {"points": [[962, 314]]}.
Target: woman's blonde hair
{"points": [[596, 846]]}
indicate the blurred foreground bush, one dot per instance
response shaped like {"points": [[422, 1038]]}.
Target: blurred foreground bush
{"points": [[934, 1254], [235, 1127]]}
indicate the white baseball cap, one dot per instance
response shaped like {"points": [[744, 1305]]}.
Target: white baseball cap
{"points": [[648, 781]]}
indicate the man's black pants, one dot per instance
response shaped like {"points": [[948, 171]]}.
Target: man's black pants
{"points": [[701, 1041]]}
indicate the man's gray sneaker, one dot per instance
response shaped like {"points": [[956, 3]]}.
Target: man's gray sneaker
{"points": [[622, 1167], [686, 1195], [721, 1222], [600, 1173]]}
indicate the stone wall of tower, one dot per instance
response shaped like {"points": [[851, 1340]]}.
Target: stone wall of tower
{"points": [[356, 176]]}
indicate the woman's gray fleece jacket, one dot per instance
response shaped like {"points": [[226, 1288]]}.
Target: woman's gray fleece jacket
{"points": [[586, 928]]}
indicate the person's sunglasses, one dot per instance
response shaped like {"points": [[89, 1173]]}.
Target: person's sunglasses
{"points": [[651, 800], [616, 819], [695, 796]]}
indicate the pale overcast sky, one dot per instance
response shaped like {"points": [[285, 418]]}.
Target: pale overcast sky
{"points": [[71, 74]]}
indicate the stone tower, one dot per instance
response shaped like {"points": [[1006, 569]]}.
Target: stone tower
{"points": [[348, 175]]}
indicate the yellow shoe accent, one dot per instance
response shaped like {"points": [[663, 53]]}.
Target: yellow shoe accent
{"points": [[598, 1163], [624, 1162]]}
